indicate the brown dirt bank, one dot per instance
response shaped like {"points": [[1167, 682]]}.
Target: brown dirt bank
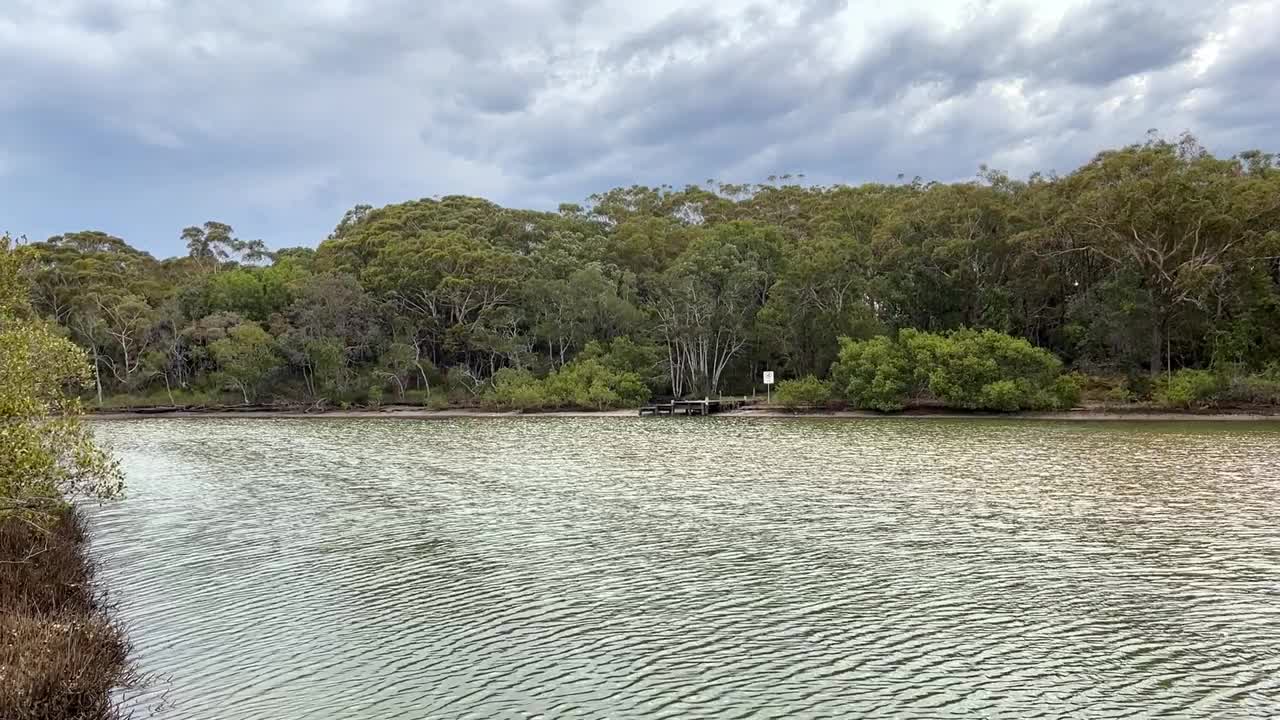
{"points": [[386, 411], [1090, 413], [1083, 415]]}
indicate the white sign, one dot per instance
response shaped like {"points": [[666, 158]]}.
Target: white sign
{"points": [[768, 377]]}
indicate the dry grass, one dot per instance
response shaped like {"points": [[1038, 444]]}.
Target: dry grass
{"points": [[60, 654]]}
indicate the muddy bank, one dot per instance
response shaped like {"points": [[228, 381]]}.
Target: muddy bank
{"points": [[392, 411], [1095, 413], [1085, 415]]}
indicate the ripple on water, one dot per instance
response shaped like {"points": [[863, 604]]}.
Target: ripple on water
{"points": [[704, 568]]}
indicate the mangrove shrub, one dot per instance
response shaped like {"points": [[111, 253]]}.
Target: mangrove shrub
{"points": [[807, 391], [586, 384], [965, 369]]}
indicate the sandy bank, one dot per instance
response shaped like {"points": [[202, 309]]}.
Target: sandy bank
{"points": [[1084, 415], [419, 413], [406, 413]]}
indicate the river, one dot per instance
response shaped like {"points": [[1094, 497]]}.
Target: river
{"points": [[697, 568]]}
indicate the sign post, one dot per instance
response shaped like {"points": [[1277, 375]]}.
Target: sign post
{"points": [[768, 386]]}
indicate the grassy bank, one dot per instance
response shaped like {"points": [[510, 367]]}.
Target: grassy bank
{"points": [[61, 655]]}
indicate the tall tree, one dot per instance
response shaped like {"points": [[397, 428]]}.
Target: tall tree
{"points": [[1161, 215]]}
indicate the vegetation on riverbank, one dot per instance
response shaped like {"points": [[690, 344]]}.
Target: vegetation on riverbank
{"points": [[60, 653], [1148, 261]]}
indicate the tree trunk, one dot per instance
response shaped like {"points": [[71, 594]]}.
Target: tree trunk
{"points": [[97, 379], [1157, 348], [425, 382]]}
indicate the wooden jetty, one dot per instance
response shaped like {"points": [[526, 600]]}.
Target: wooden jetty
{"points": [[705, 406]]}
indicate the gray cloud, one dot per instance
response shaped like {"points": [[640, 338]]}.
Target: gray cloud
{"points": [[1104, 41], [143, 118]]}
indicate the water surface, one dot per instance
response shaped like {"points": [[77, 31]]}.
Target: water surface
{"points": [[699, 568]]}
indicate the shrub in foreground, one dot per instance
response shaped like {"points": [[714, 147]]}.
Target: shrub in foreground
{"points": [[516, 390], [983, 370], [964, 369], [807, 391], [873, 374], [1251, 390], [1188, 389], [588, 384]]}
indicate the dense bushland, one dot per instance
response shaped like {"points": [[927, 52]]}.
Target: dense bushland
{"points": [[1147, 260]]}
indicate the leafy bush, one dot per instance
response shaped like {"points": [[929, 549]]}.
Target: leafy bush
{"points": [[1003, 395], [516, 390], [1119, 394], [590, 384], [1067, 390], [583, 384], [872, 374], [1138, 384], [1252, 389], [1272, 371], [1188, 389], [807, 391], [964, 369]]}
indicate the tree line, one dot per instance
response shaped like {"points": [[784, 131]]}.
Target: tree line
{"points": [[1148, 259]]}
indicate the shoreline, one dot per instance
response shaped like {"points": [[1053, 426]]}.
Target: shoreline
{"points": [[772, 413], [65, 652]]}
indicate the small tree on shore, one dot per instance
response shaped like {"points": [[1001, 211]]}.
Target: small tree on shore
{"points": [[46, 451]]}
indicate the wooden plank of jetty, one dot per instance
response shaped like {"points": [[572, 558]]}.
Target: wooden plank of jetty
{"points": [[704, 406]]}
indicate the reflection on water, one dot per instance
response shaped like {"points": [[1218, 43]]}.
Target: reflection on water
{"points": [[714, 568]]}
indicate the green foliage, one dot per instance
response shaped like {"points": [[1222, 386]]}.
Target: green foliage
{"points": [[983, 370], [873, 374], [159, 397], [622, 355], [1002, 395], [964, 369], [517, 390], [237, 291], [1196, 389], [46, 452], [1188, 389], [246, 358], [1118, 395], [1272, 371], [1251, 390], [590, 384], [1148, 258], [1067, 390], [807, 391], [1138, 385], [586, 384]]}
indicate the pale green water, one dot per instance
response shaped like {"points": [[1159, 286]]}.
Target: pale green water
{"points": [[715, 568]]}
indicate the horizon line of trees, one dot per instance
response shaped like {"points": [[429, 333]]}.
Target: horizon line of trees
{"points": [[1150, 258]]}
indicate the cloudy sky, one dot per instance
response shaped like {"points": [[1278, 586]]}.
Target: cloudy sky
{"points": [[139, 117]]}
